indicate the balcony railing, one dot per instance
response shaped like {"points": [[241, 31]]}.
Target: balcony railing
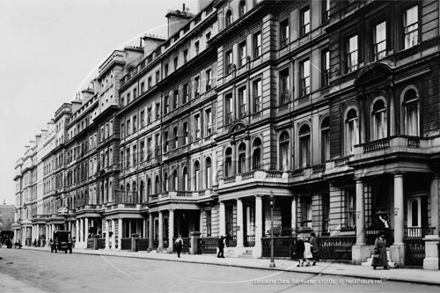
{"points": [[418, 232], [376, 145]]}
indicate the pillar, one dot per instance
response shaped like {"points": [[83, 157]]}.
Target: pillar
{"points": [[248, 220], [144, 232], [170, 231], [120, 234], [240, 230], [81, 230], [150, 232], [435, 203], [222, 219], [160, 247], [258, 226], [294, 216], [360, 251], [113, 234], [397, 250], [107, 236], [86, 230], [77, 231]]}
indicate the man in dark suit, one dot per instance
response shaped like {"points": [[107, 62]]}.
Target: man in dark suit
{"points": [[221, 246], [179, 244]]}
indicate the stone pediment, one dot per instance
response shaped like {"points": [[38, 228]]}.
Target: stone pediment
{"points": [[373, 72]]}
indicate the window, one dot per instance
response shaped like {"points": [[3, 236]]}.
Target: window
{"points": [[157, 111], [243, 53], [197, 47], [176, 99], [351, 130], [379, 41], [304, 146], [411, 27], [325, 140], [284, 151], [256, 154], [165, 142], [208, 122], [257, 45], [176, 138], [127, 154], [185, 179], [128, 127], [228, 162], [325, 58], [175, 181], [229, 109], [208, 36], [306, 211], [166, 183], [157, 150], [134, 124], [411, 112], [185, 56], [185, 133], [196, 87], [142, 118], [352, 53], [149, 82], [128, 98], [228, 18], [242, 8], [167, 105], [208, 173], [284, 33], [196, 175], [157, 185], [379, 119], [350, 209], [197, 126], [134, 155], [176, 62], [228, 62], [242, 98], [142, 87], [134, 93], [325, 10], [241, 158], [185, 97], [208, 79], [157, 76], [305, 77], [149, 114], [258, 99], [284, 87], [149, 144], [166, 70], [305, 21]]}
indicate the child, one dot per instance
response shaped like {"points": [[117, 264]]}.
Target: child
{"points": [[308, 256]]}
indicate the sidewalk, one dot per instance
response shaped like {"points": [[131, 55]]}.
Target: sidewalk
{"points": [[326, 268]]}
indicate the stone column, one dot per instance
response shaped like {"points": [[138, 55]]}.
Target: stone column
{"points": [[150, 232], [113, 234], [435, 203], [107, 236], [360, 252], [86, 230], [81, 230], [171, 231], [240, 228], [222, 219], [248, 220], [144, 232], [77, 231], [294, 216], [258, 226], [160, 246], [120, 230], [397, 250]]}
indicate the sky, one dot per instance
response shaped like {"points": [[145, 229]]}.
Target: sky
{"points": [[49, 50]]}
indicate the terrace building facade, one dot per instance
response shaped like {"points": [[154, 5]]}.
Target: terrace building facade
{"points": [[330, 106]]}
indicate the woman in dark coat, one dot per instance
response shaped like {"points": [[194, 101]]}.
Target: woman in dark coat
{"points": [[300, 252], [380, 252]]}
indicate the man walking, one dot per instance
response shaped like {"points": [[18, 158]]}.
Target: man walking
{"points": [[315, 247], [178, 244], [221, 246]]}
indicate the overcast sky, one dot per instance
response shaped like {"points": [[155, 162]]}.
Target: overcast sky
{"points": [[48, 48]]}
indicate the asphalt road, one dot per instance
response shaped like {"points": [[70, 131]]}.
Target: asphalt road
{"points": [[94, 273]]}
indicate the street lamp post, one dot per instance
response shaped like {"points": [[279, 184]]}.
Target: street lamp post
{"points": [[272, 203]]}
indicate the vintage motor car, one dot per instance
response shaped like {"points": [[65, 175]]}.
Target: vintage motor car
{"points": [[62, 241]]}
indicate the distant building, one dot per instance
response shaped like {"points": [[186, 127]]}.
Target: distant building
{"points": [[6, 216]]}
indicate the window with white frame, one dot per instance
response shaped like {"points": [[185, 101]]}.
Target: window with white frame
{"points": [[228, 162], [351, 131], [284, 33], [350, 209], [197, 125], [196, 175], [257, 94], [305, 21], [411, 27], [242, 98], [229, 107], [208, 173], [325, 140], [352, 53], [306, 211], [257, 45], [304, 146], [284, 87], [228, 62], [379, 40], [242, 53], [411, 112], [256, 154], [284, 151], [185, 133], [379, 119], [305, 77], [185, 179], [208, 122], [242, 158]]}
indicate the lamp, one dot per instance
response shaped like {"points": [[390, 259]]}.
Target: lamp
{"points": [[396, 211], [271, 204]]}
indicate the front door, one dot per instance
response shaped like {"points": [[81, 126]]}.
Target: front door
{"points": [[417, 215]]}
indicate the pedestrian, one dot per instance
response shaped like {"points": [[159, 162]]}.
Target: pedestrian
{"points": [[380, 252], [221, 246], [178, 244], [315, 247], [308, 256], [299, 250]]}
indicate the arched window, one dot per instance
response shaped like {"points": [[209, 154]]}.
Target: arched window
{"points": [[165, 182], [134, 194], [351, 131], [127, 194], [175, 181], [157, 185], [196, 175], [149, 190], [142, 192], [304, 146], [242, 158], [379, 120], [208, 174], [411, 112], [242, 8], [228, 162], [228, 18], [121, 194], [284, 151], [325, 140], [185, 179], [256, 154]]}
